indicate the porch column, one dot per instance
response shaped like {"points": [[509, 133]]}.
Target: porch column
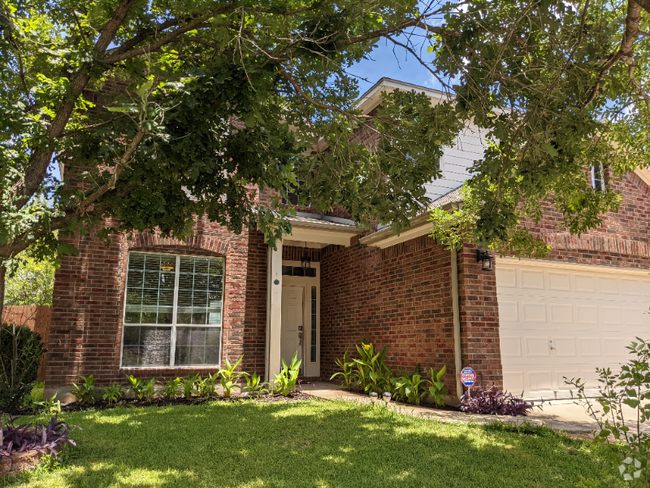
{"points": [[273, 312]]}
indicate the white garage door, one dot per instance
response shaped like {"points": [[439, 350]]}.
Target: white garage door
{"points": [[561, 320]]}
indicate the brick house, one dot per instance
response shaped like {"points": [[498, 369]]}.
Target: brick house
{"points": [[158, 307]]}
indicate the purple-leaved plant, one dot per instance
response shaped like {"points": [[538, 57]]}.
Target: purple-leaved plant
{"points": [[42, 438], [494, 402]]}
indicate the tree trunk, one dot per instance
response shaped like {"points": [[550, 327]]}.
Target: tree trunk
{"points": [[3, 274]]}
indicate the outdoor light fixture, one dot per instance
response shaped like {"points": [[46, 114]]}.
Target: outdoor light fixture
{"points": [[387, 396], [305, 260], [484, 258], [167, 266], [373, 396]]}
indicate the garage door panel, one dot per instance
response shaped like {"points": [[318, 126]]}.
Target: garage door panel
{"points": [[557, 322]]}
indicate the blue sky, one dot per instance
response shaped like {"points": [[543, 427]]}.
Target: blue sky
{"points": [[393, 63]]}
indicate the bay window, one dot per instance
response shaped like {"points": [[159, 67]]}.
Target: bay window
{"points": [[173, 311]]}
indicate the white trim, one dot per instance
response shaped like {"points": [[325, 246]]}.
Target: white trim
{"points": [[173, 326], [644, 174], [306, 282], [512, 261]]}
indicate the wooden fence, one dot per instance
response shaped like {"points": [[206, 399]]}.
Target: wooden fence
{"points": [[37, 319]]}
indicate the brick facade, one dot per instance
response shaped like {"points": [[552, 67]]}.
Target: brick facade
{"points": [[398, 297], [85, 335]]}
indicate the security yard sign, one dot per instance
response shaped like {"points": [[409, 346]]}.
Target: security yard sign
{"points": [[468, 377]]}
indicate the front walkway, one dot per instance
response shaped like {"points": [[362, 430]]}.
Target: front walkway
{"points": [[560, 414]]}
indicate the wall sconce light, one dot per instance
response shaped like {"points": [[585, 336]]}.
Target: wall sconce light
{"points": [[305, 260], [484, 258]]}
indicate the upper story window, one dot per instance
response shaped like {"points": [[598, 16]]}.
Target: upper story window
{"points": [[293, 195], [173, 311], [598, 177]]}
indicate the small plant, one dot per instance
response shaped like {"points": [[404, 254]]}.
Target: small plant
{"points": [[285, 381], [51, 406], [494, 402], [171, 388], [254, 386], [230, 378], [137, 386], [207, 386], [188, 386], [410, 388], [113, 394], [85, 392], [346, 374], [371, 373], [437, 387], [35, 437], [149, 389], [628, 388]]}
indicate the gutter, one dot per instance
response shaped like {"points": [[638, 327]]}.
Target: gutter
{"points": [[458, 358]]}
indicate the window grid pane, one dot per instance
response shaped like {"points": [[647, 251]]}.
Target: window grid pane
{"points": [[151, 290]]}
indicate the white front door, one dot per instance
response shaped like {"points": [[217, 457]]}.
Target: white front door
{"points": [[292, 322], [560, 320]]}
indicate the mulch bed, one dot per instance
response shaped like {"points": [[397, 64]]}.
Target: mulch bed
{"points": [[158, 402]]}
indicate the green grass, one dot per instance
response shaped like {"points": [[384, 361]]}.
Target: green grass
{"points": [[313, 444]]}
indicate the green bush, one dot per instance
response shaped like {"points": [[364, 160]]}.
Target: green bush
{"points": [[21, 351]]}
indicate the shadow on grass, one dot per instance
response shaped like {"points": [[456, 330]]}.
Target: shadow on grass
{"points": [[314, 444]]}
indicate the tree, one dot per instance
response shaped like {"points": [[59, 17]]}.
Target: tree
{"points": [[159, 112], [31, 283], [558, 87]]}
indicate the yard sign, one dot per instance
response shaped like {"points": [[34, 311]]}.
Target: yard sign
{"points": [[468, 377]]}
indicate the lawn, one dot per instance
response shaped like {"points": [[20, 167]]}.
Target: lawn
{"points": [[313, 444]]}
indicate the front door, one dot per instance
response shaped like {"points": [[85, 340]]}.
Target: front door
{"points": [[292, 322]]}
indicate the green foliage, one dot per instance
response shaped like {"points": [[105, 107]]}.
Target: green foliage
{"points": [[409, 387], [230, 379], [622, 406], [21, 351], [347, 371], [254, 385], [371, 373], [214, 99], [30, 281], [437, 388], [113, 393], [137, 386], [188, 385], [550, 87], [206, 387], [85, 392], [286, 380], [171, 388], [149, 389], [51, 406]]}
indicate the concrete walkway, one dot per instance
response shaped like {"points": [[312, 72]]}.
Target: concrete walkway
{"points": [[559, 414]]}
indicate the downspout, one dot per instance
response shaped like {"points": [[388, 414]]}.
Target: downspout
{"points": [[456, 317]]}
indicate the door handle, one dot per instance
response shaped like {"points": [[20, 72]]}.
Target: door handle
{"points": [[300, 338]]}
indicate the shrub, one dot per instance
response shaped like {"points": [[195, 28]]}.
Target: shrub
{"points": [[494, 402], [149, 389], [113, 393], [630, 387], [410, 387], [347, 371], [371, 373], [286, 380], [437, 387], [188, 385], [21, 351], [36, 437], [171, 388], [137, 386], [254, 385], [51, 406], [206, 387], [230, 378], [85, 392]]}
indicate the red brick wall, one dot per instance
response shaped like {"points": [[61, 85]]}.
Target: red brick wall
{"points": [[85, 335], [399, 297]]}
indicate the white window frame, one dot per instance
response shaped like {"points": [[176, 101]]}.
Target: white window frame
{"points": [[173, 326], [601, 176]]}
